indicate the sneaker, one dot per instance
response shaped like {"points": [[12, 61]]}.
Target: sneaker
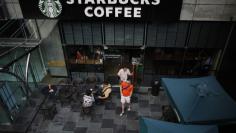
{"points": [[129, 109], [121, 114]]}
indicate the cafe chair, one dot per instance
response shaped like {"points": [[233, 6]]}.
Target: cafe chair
{"points": [[87, 111]]}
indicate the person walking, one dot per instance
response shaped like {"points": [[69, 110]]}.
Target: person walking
{"points": [[126, 91]]}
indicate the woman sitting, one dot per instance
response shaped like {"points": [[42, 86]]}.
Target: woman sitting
{"points": [[104, 93]]}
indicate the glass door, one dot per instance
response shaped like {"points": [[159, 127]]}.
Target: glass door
{"points": [[115, 58]]}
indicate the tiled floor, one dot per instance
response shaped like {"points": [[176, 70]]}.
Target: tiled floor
{"points": [[105, 118]]}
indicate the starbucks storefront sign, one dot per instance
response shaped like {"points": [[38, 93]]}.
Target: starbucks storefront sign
{"points": [[102, 9]]}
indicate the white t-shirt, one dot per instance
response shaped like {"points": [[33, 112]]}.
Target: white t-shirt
{"points": [[123, 74], [88, 101]]}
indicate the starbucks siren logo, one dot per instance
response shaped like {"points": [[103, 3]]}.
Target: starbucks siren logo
{"points": [[50, 8]]}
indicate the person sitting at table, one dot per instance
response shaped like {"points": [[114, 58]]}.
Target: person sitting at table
{"points": [[49, 90], [88, 99], [87, 103], [104, 93]]}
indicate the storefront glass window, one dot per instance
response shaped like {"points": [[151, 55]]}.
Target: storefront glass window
{"points": [[85, 54], [117, 57]]}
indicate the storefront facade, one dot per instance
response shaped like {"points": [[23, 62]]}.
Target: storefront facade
{"points": [[174, 48], [154, 38]]}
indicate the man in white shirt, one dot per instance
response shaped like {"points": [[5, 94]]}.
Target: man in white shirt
{"points": [[123, 73]]}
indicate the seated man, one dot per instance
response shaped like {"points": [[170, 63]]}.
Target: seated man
{"points": [[88, 99], [87, 103], [49, 90], [105, 92]]}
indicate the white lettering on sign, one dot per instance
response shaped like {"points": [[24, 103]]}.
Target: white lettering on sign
{"points": [[137, 12], [101, 2], [86, 11], [112, 1], [145, 2], [118, 10], [79, 1], [155, 2], [70, 1], [109, 11], [134, 2], [123, 1], [121, 10], [99, 11], [127, 12], [89, 1]]}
